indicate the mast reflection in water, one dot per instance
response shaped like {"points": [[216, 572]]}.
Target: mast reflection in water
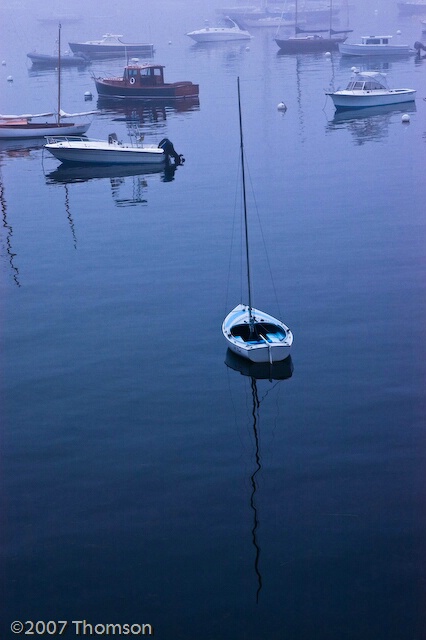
{"points": [[274, 373]]}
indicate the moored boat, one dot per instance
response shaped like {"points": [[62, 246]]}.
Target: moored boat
{"points": [[220, 34], [375, 46], [369, 89], [51, 61], [29, 125], [249, 332], [312, 40], [112, 151], [111, 46], [412, 8], [144, 81]]}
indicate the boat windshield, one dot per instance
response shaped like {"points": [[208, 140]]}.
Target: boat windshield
{"points": [[376, 41], [365, 85]]}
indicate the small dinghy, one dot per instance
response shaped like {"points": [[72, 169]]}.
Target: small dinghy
{"points": [[249, 332]]}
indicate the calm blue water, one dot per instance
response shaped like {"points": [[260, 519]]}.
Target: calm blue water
{"points": [[140, 484]]}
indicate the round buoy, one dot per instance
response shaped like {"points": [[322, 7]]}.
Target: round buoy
{"points": [[170, 42], [3, 63], [9, 79], [88, 95], [327, 54], [281, 106], [405, 118], [247, 48], [398, 32]]}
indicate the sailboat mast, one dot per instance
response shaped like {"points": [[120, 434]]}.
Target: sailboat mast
{"points": [[244, 200], [59, 75]]}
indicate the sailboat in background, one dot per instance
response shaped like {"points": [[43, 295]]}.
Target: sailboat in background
{"points": [[29, 125], [308, 40], [249, 332]]}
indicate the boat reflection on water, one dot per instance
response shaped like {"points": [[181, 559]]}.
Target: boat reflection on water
{"points": [[6, 241], [369, 124], [147, 111], [117, 174], [274, 374], [20, 148]]}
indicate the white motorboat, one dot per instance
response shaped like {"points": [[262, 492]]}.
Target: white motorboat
{"points": [[369, 89], [39, 125], [249, 332], [375, 46], [220, 34], [112, 151]]}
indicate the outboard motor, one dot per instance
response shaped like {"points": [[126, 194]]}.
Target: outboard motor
{"points": [[418, 46], [170, 152]]}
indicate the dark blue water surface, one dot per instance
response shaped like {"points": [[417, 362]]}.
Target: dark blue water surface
{"points": [[144, 481]]}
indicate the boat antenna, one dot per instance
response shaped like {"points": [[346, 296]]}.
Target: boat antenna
{"points": [[245, 205], [59, 75]]}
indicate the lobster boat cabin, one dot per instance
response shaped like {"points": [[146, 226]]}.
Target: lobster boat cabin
{"points": [[144, 81]]}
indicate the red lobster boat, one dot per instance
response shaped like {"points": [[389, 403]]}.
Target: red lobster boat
{"points": [[146, 82]]}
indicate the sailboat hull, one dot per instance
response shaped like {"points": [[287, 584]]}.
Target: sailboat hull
{"points": [[40, 130], [271, 341], [308, 44]]}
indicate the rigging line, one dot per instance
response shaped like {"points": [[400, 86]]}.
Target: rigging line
{"points": [[263, 239]]}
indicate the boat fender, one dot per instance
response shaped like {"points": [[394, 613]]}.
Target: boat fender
{"points": [[170, 152], [132, 81]]}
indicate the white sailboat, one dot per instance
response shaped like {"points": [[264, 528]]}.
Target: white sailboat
{"points": [[29, 125], [249, 332]]}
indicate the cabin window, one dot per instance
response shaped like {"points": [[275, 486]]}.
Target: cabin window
{"points": [[385, 41], [132, 73], [157, 72], [373, 41], [358, 85]]}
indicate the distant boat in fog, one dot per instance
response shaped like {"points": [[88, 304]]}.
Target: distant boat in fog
{"points": [[220, 34], [111, 46], [410, 8]]}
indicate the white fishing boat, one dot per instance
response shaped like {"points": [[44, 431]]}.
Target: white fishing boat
{"points": [[28, 125], [369, 89], [106, 152], [220, 34], [375, 46], [249, 332]]}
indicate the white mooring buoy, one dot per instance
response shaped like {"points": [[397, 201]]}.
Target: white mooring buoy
{"points": [[405, 118], [9, 78], [88, 95], [281, 106]]}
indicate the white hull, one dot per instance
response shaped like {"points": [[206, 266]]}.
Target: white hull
{"points": [[103, 152], [218, 34], [19, 132], [274, 347], [375, 50], [353, 100]]}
